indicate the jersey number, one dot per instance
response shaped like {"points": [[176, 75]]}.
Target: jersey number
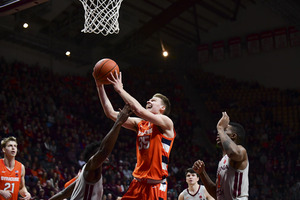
{"points": [[8, 186], [144, 142]]}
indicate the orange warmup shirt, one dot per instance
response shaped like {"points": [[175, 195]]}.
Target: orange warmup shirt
{"points": [[10, 180]]}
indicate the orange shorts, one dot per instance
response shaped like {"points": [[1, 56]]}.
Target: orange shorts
{"points": [[141, 190]]}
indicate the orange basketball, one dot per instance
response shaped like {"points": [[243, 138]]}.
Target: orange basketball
{"points": [[103, 68]]}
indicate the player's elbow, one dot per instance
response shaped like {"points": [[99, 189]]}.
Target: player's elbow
{"points": [[235, 155], [107, 114], [111, 115], [231, 154]]}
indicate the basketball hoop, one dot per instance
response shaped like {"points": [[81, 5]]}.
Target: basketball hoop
{"points": [[101, 16]]}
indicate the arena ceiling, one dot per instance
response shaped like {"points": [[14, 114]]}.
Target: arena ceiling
{"points": [[55, 25]]}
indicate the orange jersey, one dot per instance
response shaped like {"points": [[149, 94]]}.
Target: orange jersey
{"points": [[10, 180], [153, 151]]}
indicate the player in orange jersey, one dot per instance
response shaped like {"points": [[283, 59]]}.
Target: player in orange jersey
{"points": [[154, 140], [12, 172]]}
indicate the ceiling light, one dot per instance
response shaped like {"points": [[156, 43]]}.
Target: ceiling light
{"points": [[25, 25], [165, 53]]}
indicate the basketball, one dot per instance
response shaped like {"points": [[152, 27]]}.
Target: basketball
{"points": [[103, 68]]}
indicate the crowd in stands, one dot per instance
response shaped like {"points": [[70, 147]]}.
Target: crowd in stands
{"points": [[55, 116]]}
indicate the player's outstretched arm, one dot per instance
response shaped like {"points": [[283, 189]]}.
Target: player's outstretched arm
{"points": [[116, 81], [65, 193], [234, 151], [199, 167], [108, 108], [109, 140], [105, 102], [23, 190], [160, 120]]}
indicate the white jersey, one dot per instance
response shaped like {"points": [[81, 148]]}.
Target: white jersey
{"points": [[87, 191], [199, 195], [232, 184]]}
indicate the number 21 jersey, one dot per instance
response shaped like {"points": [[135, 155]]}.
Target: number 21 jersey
{"points": [[10, 179]]}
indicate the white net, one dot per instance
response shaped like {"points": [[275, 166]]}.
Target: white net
{"points": [[101, 16]]}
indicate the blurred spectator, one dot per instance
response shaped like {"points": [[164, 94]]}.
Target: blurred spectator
{"points": [[81, 162], [127, 172]]}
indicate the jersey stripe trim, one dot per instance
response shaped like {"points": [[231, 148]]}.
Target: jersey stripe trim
{"points": [[165, 162], [166, 141], [163, 187], [195, 192], [88, 192], [240, 183], [166, 144], [237, 186], [165, 159]]}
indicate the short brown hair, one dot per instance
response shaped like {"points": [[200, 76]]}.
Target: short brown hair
{"points": [[6, 140], [165, 101], [190, 170]]}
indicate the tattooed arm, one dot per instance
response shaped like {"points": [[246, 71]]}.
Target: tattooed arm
{"points": [[235, 152]]}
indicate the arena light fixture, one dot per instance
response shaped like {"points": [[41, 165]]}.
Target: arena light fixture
{"points": [[25, 25], [165, 53], [68, 53]]}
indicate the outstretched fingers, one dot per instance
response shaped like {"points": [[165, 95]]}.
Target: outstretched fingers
{"points": [[126, 109], [224, 121], [124, 113], [115, 76], [120, 75]]}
